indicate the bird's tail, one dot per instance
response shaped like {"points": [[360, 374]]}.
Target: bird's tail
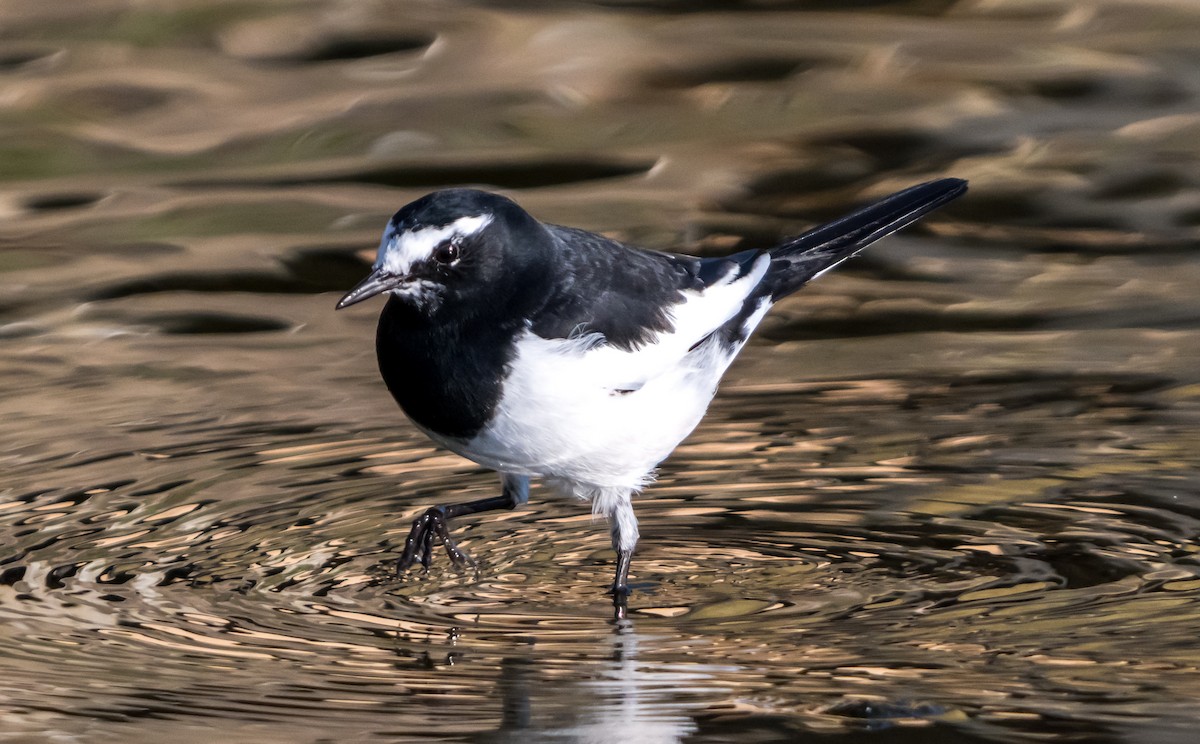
{"points": [[798, 260]]}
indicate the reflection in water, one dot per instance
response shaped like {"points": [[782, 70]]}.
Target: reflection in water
{"points": [[625, 701], [948, 494]]}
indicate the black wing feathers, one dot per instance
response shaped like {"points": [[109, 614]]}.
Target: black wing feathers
{"points": [[610, 288]]}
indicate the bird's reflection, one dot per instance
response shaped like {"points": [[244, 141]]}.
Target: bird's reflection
{"points": [[624, 700]]}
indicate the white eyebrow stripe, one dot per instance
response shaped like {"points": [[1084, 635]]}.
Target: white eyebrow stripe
{"points": [[399, 252]]}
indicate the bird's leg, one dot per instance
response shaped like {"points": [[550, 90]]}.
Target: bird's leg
{"points": [[620, 588], [621, 583], [431, 525], [624, 538]]}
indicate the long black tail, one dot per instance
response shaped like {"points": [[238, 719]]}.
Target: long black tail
{"points": [[798, 260]]}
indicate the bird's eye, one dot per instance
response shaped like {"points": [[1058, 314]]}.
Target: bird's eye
{"points": [[446, 253]]}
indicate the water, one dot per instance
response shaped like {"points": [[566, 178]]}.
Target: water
{"points": [[948, 494]]}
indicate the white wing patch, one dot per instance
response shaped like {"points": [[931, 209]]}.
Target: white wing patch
{"points": [[597, 415], [399, 252]]}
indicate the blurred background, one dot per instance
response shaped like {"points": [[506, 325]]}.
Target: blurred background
{"points": [[949, 493]]}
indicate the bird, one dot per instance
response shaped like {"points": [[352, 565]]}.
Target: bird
{"points": [[550, 352]]}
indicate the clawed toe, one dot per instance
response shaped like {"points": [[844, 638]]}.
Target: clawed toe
{"points": [[426, 529]]}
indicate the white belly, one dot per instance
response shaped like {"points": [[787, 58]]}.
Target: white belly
{"points": [[585, 416]]}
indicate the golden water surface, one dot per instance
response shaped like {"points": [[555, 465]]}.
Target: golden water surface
{"points": [[949, 493]]}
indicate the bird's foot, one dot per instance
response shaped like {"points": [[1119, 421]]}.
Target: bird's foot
{"points": [[426, 528], [620, 596]]}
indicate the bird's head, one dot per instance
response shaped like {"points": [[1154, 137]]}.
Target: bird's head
{"points": [[454, 248]]}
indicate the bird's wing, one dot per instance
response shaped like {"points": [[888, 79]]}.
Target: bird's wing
{"points": [[608, 288], [639, 313]]}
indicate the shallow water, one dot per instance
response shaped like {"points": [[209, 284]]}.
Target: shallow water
{"points": [[949, 493]]}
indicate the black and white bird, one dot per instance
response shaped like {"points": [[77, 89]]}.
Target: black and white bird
{"points": [[549, 352]]}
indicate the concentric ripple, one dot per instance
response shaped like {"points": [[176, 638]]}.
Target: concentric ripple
{"points": [[777, 564]]}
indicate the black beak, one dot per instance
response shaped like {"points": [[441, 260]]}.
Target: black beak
{"points": [[374, 284]]}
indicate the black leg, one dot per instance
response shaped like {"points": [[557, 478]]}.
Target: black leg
{"points": [[623, 528], [431, 526], [620, 588], [621, 583]]}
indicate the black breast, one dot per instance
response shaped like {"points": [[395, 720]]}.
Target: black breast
{"points": [[446, 378]]}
